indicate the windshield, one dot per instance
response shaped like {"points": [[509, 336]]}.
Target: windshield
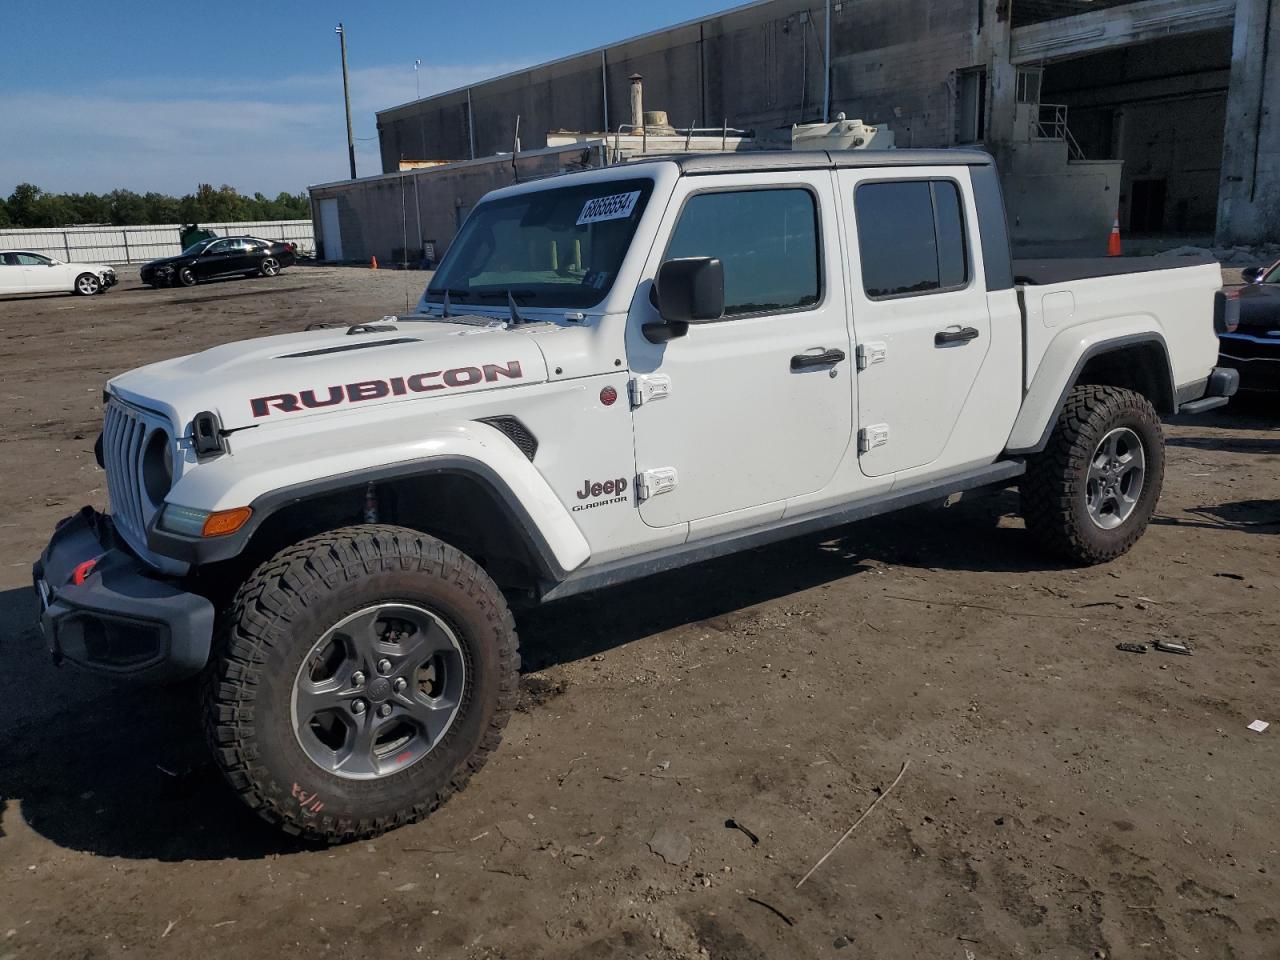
{"points": [[1273, 276], [551, 248], [195, 248]]}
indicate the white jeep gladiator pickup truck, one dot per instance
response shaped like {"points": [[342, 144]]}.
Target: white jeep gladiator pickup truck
{"points": [[613, 373]]}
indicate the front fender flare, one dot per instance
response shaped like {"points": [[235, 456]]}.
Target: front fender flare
{"points": [[267, 479], [1060, 368]]}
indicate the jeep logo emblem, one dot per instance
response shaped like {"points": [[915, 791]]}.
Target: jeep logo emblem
{"points": [[614, 491]]}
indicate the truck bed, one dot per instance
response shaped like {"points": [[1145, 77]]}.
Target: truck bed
{"points": [[1041, 273]]}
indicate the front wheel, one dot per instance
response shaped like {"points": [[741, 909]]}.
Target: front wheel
{"points": [[364, 675], [1090, 495], [185, 278], [88, 284]]}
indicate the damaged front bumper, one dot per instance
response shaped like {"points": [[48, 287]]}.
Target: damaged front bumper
{"points": [[101, 608]]}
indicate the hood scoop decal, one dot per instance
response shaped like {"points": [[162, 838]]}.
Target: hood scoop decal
{"points": [[345, 347]]}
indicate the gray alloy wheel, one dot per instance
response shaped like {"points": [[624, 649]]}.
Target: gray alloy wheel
{"points": [[378, 691], [270, 267], [87, 284], [1117, 471], [186, 278]]}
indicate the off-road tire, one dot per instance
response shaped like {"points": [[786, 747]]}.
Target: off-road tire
{"points": [[185, 278], [1053, 488], [276, 617]]}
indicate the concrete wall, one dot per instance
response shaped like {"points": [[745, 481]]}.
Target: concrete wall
{"points": [[393, 216], [760, 67], [1249, 198]]}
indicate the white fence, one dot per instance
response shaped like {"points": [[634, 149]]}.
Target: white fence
{"points": [[140, 244]]}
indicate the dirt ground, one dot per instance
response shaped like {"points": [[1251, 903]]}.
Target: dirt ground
{"points": [[1063, 799]]}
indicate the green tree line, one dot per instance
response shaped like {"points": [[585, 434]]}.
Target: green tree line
{"points": [[29, 206]]}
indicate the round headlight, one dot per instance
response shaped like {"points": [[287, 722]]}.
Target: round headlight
{"points": [[157, 466]]}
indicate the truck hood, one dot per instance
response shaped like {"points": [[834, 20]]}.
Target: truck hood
{"points": [[295, 375]]}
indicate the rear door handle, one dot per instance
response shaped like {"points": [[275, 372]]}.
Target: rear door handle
{"points": [[963, 335], [802, 361]]}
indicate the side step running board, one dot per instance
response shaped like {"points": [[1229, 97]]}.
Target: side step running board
{"points": [[658, 561]]}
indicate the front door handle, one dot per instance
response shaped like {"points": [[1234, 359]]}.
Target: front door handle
{"points": [[963, 335], [803, 361]]}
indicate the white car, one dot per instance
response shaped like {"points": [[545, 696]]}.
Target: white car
{"points": [[22, 271]]}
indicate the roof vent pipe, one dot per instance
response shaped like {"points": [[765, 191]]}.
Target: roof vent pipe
{"points": [[637, 101]]}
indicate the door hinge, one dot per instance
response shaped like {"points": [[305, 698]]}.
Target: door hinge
{"points": [[655, 482], [876, 435], [873, 352], [649, 386]]}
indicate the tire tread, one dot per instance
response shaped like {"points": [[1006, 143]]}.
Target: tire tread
{"points": [[1048, 489], [278, 591]]}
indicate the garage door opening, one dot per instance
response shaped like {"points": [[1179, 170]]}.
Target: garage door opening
{"points": [[1161, 108]]}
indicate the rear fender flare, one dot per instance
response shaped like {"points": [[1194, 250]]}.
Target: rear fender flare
{"points": [[1060, 370]]}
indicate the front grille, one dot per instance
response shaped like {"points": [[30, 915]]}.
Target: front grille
{"points": [[124, 436]]}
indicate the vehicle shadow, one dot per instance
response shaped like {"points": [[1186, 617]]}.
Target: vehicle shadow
{"points": [[1227, 444], [964, 537], [111, 769], [1249, 516], [123, 771]]}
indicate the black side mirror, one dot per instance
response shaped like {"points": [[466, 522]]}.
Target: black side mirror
{"points": [[686, 291], [1252, 274]]}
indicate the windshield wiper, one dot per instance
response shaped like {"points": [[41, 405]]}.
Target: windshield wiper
{"points": [[505, 294], [452, 293]]}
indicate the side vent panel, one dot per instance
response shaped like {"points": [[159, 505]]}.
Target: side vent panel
{"points": [[516, 432]]}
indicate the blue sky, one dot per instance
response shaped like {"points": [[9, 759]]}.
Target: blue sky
{"points": [[163, 96]]}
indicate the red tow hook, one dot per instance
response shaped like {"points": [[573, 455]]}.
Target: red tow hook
{"points": [[82, 571]]}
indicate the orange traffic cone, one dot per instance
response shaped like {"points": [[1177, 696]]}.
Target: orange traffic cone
{"points": [[1113, 244], [373, 262]]}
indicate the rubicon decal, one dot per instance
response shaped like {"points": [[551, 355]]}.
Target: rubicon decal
{"points": [[378, 389], [614, 491]]}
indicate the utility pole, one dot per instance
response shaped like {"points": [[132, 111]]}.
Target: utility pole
{"points": [[346, 97], [826, 63], [417, 86]]}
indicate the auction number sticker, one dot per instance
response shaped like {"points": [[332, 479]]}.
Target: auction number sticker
{"points": [[616, 207]]}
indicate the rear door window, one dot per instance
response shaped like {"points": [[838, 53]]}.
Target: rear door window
{"points": [[911, 237]]}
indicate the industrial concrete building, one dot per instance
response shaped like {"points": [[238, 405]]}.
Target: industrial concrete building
{"points": [[1160, 112]]}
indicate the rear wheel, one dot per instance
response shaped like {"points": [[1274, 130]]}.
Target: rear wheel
{"points": [[1090, 495], [365, 675], [88, 284], [269, 267]]}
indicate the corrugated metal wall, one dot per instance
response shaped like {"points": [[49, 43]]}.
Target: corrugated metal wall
{"points": [[142, 243]]}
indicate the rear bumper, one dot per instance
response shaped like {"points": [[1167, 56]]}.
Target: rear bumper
{"points": [[120, 618], [1216, 391], [1255, 358]]}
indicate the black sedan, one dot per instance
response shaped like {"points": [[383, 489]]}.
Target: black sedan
{"points": [[220, 257], [1253, 348]]}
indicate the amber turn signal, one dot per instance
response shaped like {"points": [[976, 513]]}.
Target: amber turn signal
{"points": [[222, 522]]}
